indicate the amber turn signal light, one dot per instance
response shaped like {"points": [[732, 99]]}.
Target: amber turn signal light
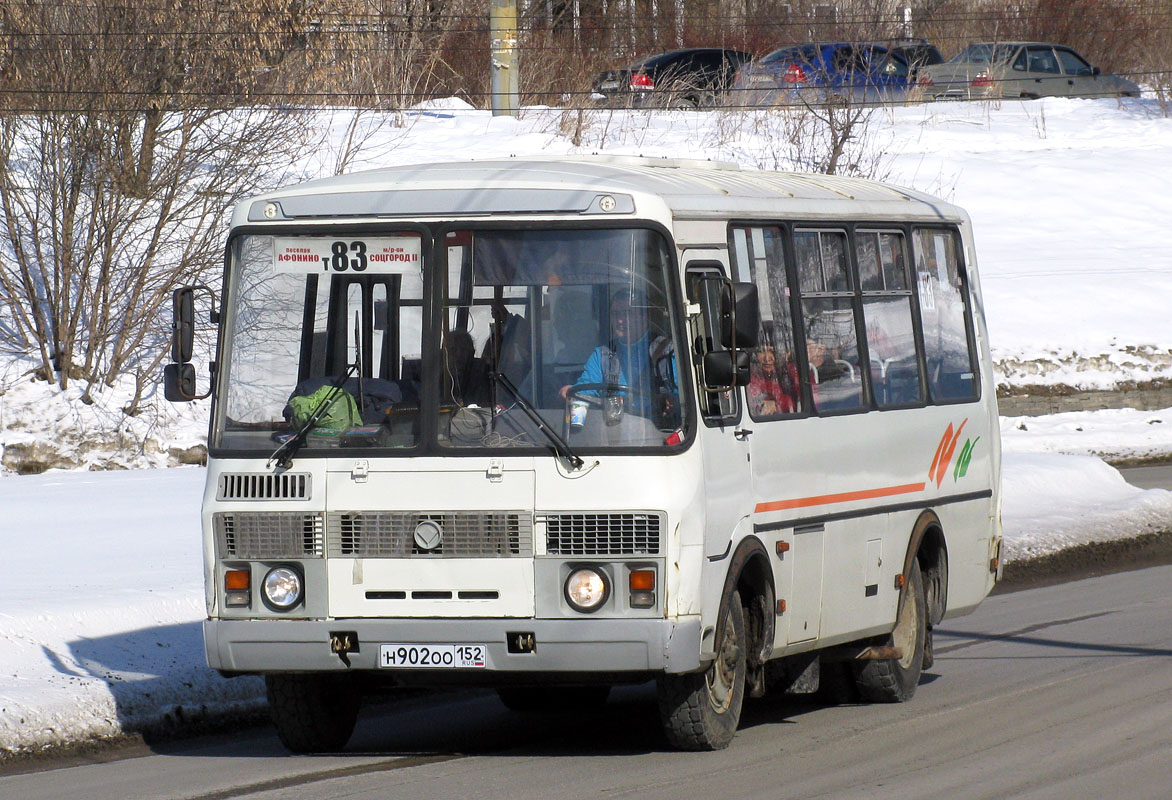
{"points": [[236, 580], [642, 580]]}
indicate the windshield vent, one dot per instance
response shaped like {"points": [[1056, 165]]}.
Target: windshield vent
{"points": [[262, 486], [268, 535], [621, 534], [461, 534]]}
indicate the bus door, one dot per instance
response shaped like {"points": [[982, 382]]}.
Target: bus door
{"points": [[783, 436], [728, 488]]}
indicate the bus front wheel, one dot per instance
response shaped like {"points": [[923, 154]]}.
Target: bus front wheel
{"points": [[313, 713], [701, 710], [894, 680]]}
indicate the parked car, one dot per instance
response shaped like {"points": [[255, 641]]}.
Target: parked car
{"points": [[818, 73], [1023, 70], [918, 53], [696, 77]]}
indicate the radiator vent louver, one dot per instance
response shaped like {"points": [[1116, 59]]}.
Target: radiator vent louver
{"points": [[263, 486], [466, 534], [616, 534], [269, 535]]}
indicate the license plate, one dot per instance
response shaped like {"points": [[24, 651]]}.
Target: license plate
{"points": [[432, 656], [608, 85]]}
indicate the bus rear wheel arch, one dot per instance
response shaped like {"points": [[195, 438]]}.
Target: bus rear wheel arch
{"points": [[894, 680]]}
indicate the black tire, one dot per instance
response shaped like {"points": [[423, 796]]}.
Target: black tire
{"points": [[551, 699], [701, 710], [313, 713], [894, 680]]}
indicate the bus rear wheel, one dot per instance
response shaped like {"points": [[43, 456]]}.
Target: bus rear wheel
{"points": [[313, 713], [701, 710], [894, 680]]}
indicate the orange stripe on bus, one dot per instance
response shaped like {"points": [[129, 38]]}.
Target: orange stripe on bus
{"points": [[842, 497]]}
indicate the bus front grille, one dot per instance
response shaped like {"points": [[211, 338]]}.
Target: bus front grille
{"points": [[279, 534], [459, 534], [262, 486], [615, 534]]}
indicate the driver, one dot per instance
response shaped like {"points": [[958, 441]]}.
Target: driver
{"points": [[635, 359]]}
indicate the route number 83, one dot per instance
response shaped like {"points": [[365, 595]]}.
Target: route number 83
{"points": [[341, 261]]}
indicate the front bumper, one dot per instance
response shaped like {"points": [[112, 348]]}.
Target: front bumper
{"points": [[571, 646]]}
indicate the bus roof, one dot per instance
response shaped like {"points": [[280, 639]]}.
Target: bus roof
{"points": [[643, 186]]}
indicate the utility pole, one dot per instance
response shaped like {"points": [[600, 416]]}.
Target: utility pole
{"points": [[506, 80]]}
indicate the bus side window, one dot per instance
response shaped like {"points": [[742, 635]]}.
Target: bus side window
{"points": [[828, 316], [774, 387], [887, 316], [946, 317]]}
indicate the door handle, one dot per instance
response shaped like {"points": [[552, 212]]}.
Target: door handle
{"points": [[742, 434]]}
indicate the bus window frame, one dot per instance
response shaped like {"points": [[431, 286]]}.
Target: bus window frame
{"points": [[966, 293], [674, 290], [435, 258], [851, 227], [797, 328]]}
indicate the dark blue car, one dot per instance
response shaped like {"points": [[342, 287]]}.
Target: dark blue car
{"points": [[814, 74]]}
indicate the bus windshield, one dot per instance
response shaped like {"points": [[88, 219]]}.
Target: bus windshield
{"points": [[538, 332]]}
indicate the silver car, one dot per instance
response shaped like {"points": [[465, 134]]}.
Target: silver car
{"points": [[1024, 70]]}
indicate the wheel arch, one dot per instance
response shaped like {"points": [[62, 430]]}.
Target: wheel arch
{"points": [[929, 547], [751, 574]]}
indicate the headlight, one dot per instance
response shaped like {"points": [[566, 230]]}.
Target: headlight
{"points": [[586, 589], [282, 588]]}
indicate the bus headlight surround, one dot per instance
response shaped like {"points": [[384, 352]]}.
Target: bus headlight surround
{"points": [[282, 588], [587, 589]]}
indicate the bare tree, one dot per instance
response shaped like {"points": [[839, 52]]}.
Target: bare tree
{"points": [[125, 136]]}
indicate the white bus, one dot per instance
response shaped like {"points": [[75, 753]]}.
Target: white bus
{"points": [[550, 426]]}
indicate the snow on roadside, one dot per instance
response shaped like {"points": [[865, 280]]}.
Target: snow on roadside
{"points": [[100, 607], [1051, 502]]}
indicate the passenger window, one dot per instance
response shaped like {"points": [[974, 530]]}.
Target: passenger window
{"points": [[827, 304], [887, 315], [1042, 60], [945, 314], [774, 389]]}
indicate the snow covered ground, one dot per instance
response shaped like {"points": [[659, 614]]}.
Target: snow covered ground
{"points": [[101, 597]]}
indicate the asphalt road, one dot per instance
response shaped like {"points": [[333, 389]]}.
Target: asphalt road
{"points": [[1058, 692], [1149, 476]]}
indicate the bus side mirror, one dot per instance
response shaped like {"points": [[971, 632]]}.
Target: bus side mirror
{"points": [[740, 317], [179, 377], [722, 372], [179, 383], [182, 324]]}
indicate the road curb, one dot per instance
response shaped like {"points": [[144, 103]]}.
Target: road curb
{"points": [[1087, 561]]}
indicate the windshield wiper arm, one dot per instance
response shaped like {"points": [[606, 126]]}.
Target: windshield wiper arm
{"points": [[561, 448], [283, 455]]}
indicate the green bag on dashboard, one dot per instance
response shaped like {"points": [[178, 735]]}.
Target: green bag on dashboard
{"points": [[341, 413]]}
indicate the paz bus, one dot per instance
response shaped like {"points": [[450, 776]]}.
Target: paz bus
{"points": [[548, 426]]}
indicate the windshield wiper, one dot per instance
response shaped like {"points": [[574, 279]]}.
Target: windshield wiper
{"points": [[560, 447], [283, 455]]}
